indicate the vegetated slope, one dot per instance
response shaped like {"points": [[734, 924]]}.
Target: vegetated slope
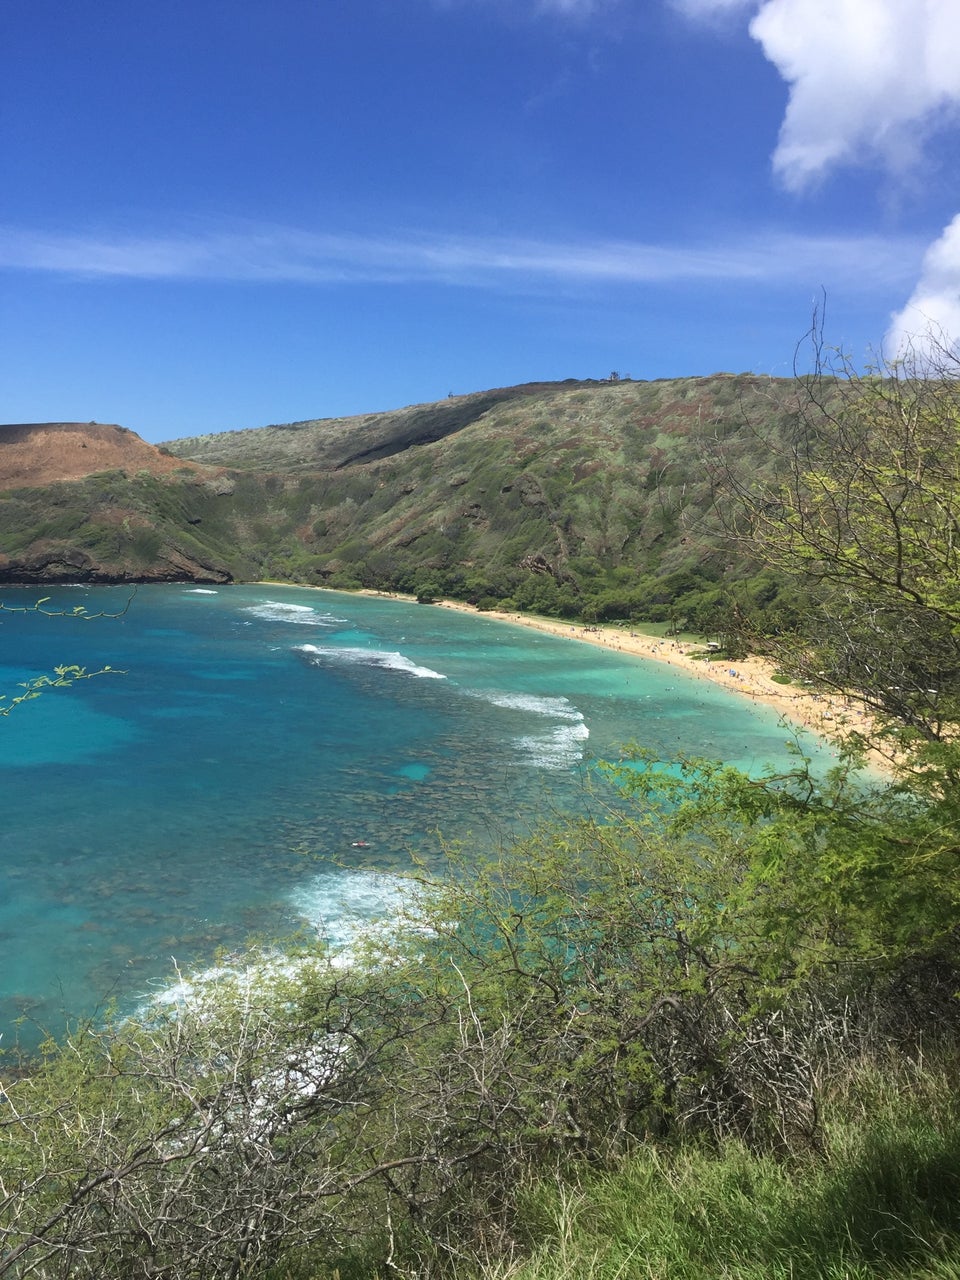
{"points": [[333, 443], [85, 501], [564, 497]]}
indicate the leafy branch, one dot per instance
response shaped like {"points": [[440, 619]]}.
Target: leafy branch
{"points": [[62, 677], [67, 673], [79, 611]]}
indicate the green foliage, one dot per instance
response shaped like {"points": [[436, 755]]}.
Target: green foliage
{"points": [[838, 869], [880, 1206], [66, 674], [861, 512], [695, 959], [63, 676]]}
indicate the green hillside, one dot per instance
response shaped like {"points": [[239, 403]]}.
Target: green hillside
{"points": [[588, 499], [115, 527], [567, 498]]}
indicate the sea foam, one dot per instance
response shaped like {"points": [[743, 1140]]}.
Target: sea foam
{"points": [[560, 748], [342, 906], [556, 748], [338, 907], [558, 708], [388, 661], [300, 614]]}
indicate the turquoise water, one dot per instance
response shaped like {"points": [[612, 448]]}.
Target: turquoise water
{"points": [[216, 791]]}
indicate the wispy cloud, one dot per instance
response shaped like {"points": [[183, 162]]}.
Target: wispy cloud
{"points": [[288, 255], [574, 8], [545, 8], [709, 9]]}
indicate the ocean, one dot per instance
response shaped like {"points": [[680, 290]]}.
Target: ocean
{"points": [[264, 760]]}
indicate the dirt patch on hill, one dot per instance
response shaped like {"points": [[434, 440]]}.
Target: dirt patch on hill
{"points": [[40, 453]]}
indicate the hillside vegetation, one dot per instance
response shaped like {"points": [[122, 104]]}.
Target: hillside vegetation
{"points": [[590, 499]]}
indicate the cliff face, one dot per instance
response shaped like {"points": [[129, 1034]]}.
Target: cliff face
{"points": [[89, 502], [57, 563]]}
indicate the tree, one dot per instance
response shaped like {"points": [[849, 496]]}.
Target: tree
{"points": [[694, 956], [865, 511], [207, 1141]]}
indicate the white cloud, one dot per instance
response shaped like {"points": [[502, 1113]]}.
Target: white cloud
{"points": [[932, 314], [869, 79], [290, 255]]}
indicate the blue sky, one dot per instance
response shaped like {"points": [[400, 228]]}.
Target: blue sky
{"points": [[224, 213]]}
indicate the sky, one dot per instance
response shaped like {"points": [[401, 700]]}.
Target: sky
{"points": [[217, 214]]}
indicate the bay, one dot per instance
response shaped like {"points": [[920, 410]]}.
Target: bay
{"points": [[264, 759]]}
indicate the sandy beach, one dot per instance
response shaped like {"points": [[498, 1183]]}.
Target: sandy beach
{"points": [[829, 715]]}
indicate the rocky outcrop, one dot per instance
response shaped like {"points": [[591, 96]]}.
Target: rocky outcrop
{"points": [[88, 502], [72, 564]]}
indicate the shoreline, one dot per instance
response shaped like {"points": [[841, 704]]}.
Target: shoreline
{"points": [[829, 715]]}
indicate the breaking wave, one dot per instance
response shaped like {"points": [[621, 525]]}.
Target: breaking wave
{"points": [[339, 907], [560, 746], [557, 708], [388, 661], [300, 614]]}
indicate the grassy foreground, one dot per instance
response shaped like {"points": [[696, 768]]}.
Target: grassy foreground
{"points": [[880, 1200]]}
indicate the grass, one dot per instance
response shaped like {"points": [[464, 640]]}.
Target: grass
{"points": [[883, 1201], [880, 1201]]}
